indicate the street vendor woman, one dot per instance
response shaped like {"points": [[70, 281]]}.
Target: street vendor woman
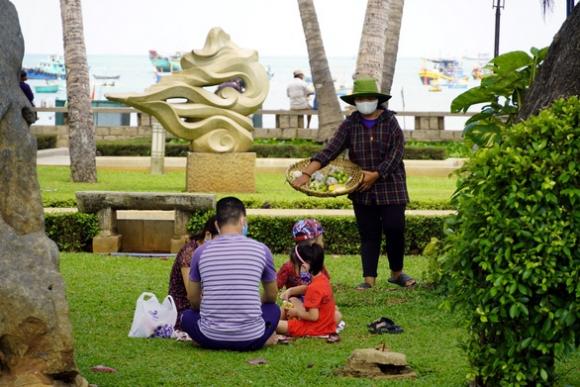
{"points": [[375, 142]]}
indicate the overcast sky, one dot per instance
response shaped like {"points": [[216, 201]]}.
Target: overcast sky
{"points": [[273, 27]]}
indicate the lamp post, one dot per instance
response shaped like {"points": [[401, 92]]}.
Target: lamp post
{"points": [[569, 7], [498, 5]]}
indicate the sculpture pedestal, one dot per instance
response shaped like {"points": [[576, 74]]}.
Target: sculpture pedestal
{"points": [[221, 172]]}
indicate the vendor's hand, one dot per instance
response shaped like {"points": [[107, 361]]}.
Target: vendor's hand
{"points": [[369, 178], [292, 312], [301, 180], [285, 295]]}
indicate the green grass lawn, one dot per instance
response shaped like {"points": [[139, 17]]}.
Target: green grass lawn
{"points": [[102, 291], [56, 186]]}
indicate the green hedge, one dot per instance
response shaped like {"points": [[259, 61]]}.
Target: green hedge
{"points": [[340, 232], [513, 254], [338, 203], [126, 148], [45, 141], [305, 203], [72, 231]]}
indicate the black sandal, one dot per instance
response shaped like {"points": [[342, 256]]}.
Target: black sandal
{"points": [[363, 286], [384, 325], [402, 280]]}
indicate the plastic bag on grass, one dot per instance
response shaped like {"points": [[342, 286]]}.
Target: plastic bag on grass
{"points": [[153, 319]]}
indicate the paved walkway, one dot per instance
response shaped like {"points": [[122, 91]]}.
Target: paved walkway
{"points": [[60, 157]]}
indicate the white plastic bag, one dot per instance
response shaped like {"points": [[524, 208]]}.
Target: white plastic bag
{"points": [[152, 319]]}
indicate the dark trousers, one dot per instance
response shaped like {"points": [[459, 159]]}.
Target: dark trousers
{"points": [[373, 221]]}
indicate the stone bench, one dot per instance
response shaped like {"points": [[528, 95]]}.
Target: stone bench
{"points": [[106, 203]]}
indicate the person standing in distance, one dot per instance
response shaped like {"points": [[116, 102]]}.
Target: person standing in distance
{"points": [[375, 142], [298, 92]]}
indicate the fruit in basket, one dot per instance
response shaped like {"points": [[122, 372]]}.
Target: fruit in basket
{"points": [[332, 179]]}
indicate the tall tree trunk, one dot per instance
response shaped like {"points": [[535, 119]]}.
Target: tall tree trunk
{"points": [[329, 114], [559, 75], [371, 50], [394, 17], [80, 115]]}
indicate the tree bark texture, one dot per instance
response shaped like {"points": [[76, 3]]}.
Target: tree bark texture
{"points": [[329, 114], [394, 17], [80, 115], [36, 342], [559, 75], [371, 50]]}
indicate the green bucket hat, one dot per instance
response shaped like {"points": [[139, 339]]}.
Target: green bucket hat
{"points": [[365, 87]]}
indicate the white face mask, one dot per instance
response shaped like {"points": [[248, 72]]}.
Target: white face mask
{"points": [[367, 107]]}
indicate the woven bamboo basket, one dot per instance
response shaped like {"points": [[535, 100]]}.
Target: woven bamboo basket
{"points": [[347, 166]]}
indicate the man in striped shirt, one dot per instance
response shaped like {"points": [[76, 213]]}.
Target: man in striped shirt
{"points": [[227, 309]]}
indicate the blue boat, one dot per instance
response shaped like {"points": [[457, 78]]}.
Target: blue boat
{"points": [[51, 69], [164, 64]]}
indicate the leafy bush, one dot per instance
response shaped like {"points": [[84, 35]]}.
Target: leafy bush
{"points": [[424, 153], [275, 150], [340, 232], [452, 148], [45, 141], [504, 90], [514, 257], [72, 231], [434, 270]]}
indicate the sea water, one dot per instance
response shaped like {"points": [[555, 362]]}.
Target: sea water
{"points": [[136, 74]]}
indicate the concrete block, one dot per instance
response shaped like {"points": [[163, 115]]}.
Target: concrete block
{"points": [[102, 131], [107, 244], [221, 172], [133, 236], [157, 235], [118, 131]]}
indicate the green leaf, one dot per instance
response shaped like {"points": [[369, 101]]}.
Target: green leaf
{"points": [[511, 61], [544, 374], [470, 97]]}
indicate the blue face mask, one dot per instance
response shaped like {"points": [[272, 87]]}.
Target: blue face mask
{"points": [[245, 229]]}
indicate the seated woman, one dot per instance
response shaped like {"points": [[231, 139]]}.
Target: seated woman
{"points": [[179, 278]]}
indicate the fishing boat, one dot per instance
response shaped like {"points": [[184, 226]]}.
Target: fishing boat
{"points": [[106, 77], [46, 88], [445, 72], [51, 69], [165, 64]]}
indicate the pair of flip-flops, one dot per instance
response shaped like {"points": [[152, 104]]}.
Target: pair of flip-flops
{"points": [[384, 325]]}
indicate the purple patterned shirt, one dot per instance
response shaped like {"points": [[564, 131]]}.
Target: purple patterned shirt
{"points": [[380, 149], [230, 269]]}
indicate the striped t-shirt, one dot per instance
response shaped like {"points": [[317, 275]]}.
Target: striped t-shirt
{"points": [[230, 269]]}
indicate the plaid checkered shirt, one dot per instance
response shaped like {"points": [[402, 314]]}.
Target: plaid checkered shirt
{"points": [[377, 149]]}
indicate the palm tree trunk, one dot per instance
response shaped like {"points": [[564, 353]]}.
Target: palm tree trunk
{"points": [[559, 75], [395, 15], [329, 114], [80, 116], [371, 51]]}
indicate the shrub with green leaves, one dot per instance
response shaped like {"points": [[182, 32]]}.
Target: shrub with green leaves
{"points": [[503, 92], [514, 254], [340, 232], [45, 141], [72, 231]]}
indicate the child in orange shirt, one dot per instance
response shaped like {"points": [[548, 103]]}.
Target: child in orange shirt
{"points": [[316, 315]]}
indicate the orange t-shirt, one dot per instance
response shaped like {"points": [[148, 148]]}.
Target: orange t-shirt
{"points": [[318, 295]]}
